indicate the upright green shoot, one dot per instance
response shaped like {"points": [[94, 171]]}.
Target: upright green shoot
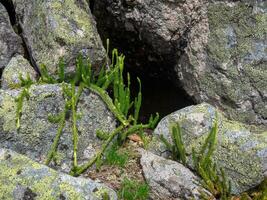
{"points": [[177, 147], [24, 94], [137, 103], [213, 179]]}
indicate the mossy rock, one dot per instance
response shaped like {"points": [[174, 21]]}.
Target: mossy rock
{"points": [[241, 150], [22, 178], [215, 50], [17, 68], [59, 29], [36, 133]]}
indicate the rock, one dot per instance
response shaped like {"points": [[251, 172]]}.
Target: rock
{"points": [[241, 151], [10, 42], [22, 178], [169, 179], [215, 50], [37, 132], [60, 29], [16, 68]]}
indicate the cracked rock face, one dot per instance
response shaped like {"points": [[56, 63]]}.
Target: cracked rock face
{"points": [[10, 42], [59, 29], [169, 179], [216, 50], [22, 178], [36, 133], [241, 150]]}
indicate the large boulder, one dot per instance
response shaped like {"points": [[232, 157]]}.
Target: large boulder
{"points": [[17, 68], [59, 29], [169, 179], [216, 50], [22, 178], [241, 151], [10, 42], [36, 132]]}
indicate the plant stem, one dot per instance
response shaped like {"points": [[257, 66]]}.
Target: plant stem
{"points": [[74, 101], [54, 146], [105, 97], [80, 170]]}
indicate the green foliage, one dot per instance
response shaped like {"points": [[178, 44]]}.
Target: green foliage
{"points": [[25, 82], [114, 157], [212, 179], [120, 105], [133, 190], [61, 118], [177, 148], [45, 77], [24, 94], [138, 102], [102, 135]]}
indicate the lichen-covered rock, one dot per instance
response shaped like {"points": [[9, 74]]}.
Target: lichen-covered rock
{"points": [[22, 178], [55, 29], [241, 151], [17, 68], [10, 42], [36, 132], [169, 179], [216, 50]]}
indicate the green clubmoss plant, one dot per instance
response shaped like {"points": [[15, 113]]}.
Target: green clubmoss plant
{"points": [[177, 148], [25, 84], [24, 94], [120, 105], [213, 178]]}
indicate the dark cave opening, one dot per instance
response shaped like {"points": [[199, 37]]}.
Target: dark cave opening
{"points": [[160, 90], [159, 94]]}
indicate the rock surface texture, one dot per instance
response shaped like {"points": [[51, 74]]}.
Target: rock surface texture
{"points": [[17, 68], [59, 29], [216, 50], [240, 151], [36, 132], [169, 179], [22, 178], [10, 42]]}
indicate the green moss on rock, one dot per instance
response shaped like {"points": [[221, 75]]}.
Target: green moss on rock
{"points": [[19, 175], [241, 150]]}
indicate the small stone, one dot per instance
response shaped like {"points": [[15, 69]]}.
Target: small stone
{"points": [[169, 179], [17, 68]]}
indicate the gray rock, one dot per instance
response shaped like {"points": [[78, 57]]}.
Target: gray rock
{"points": [[55, 29], [216, 50], [169, 179], [10, 42], [241, 151], [22, 178], [36, 132], [16, 68]]}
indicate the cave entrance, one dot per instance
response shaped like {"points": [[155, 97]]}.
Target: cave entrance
{"points": [[159, 94]]}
